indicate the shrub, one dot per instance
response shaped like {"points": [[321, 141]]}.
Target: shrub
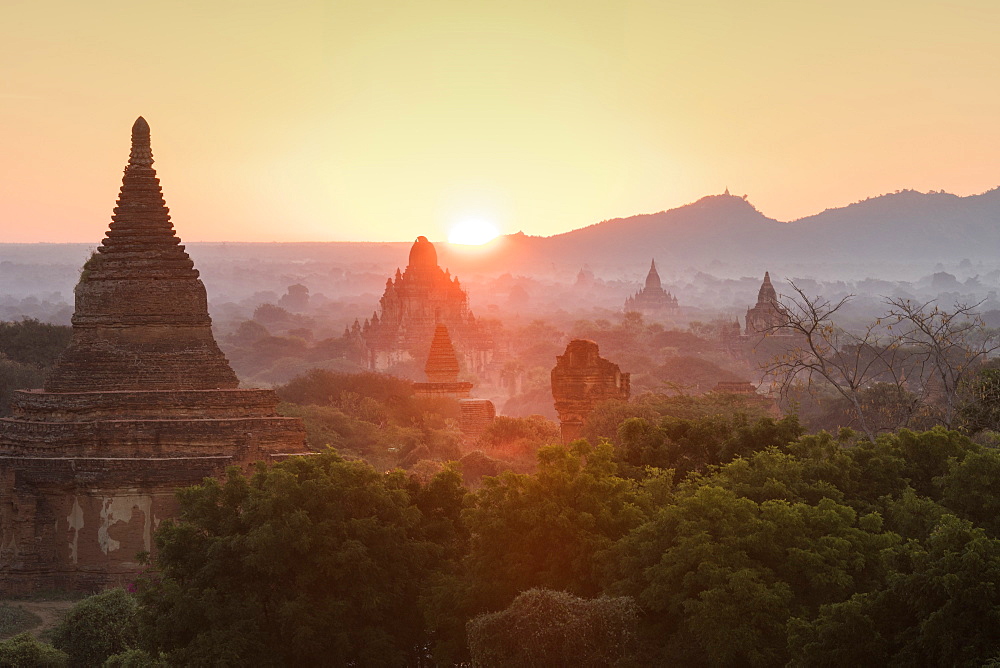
{"points": [[24, 651], [552, 628], [97, 627]]}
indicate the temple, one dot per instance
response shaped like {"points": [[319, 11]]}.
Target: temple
{"points": [[652, 300], [414, 303], [141, 403], [442, 370], [582, 379], [768, 316]]}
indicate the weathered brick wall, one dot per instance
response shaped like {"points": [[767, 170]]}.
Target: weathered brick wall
{"points": [[582, 379]]}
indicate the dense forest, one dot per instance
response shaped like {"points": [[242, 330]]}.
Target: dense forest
{"points": [[685, 528], [704, 541]]}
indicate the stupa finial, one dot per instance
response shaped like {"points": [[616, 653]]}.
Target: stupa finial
{"points": [[142, 154]]}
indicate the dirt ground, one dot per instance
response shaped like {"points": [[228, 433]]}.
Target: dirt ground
{"points": [[50, 612]]}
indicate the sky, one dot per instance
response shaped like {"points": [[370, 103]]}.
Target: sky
{"points": [[380, 121]]}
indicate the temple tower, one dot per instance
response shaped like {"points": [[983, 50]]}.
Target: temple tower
{"points": [[768, 315], [141, 319], [652, 300], [414, 303], [582, 379], [141, 403], [442, 370]]}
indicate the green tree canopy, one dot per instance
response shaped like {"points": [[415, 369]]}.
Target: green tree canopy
{"points": [[316, 560]]}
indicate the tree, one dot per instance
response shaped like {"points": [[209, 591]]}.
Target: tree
{"points": [[940, 607], [97, 627], [34, 343], [552, 628], [718, 575], [947, 346], [694, 445], [545, 530], [316, 560], [819, 351], [24, 651], [980, 407], [910, 363]]}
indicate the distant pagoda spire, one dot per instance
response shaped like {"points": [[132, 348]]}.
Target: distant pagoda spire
{"points": [[442, 363], [141, 320], [653, 278], [767, 292]]}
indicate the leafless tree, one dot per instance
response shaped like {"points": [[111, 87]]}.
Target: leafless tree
{"points": [[818, 351], [946, 348], [923, 351]]}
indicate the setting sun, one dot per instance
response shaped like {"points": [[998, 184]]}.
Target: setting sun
{"points": [[473, 232]]}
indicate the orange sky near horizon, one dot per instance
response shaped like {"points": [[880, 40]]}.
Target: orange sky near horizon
{"points": [[375, 120]]}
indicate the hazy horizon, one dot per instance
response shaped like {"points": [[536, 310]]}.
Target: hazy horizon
{"points": [[444, 240], [374, 121]]}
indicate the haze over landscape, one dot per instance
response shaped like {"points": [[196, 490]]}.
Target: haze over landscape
{"points": [[380, 121], [444, 333]]}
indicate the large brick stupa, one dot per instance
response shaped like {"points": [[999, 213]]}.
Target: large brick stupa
{"points": [[141, 403]]}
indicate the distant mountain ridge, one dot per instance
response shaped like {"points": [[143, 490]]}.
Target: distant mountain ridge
{"points": [[902, 226]]}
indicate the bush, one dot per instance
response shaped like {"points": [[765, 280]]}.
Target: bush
{"points": [[552, 628], [134, 658], [98, 627], [24, 651]]}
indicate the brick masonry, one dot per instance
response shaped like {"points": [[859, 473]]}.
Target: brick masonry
{"points": [[142, 403]]}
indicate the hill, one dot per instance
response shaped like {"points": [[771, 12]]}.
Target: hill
{"points": [[907, 226]]}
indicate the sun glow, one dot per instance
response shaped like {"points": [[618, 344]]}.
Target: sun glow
{"points": [[473, 232]]}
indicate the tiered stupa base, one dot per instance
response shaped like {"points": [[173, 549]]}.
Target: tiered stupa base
{"points": [[88, 476]]}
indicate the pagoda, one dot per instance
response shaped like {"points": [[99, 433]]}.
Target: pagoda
{"points": [[414, 303], [652, 300], [141, 403], [768, 316], [442, 370]]}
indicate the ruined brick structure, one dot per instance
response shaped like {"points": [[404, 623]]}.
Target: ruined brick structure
{"points": [[476, 416], [767, 316], [141, 403], [413, 304], [582, 379], [652, 300]]}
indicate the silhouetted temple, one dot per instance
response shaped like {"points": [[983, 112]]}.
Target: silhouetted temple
{"points": [[442, 381], [582, 379], [652, 300], [141, 403], [442, 370], [414, 303], [768, 315]]}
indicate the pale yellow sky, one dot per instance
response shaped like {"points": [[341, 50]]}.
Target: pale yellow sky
{"points": [[375, 120]]}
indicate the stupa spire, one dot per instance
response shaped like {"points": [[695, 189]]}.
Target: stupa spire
{"points": [[653, 278], [140, 202], [141, 320], [442, 363], [767, 292], [142, 154]]}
